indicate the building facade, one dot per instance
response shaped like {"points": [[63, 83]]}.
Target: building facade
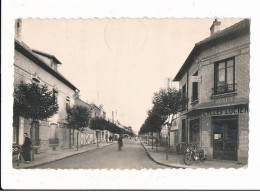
{"points": [[215, 79], [35, 66]]}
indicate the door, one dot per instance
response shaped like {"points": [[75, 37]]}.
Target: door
{"points": [[225, 135]]}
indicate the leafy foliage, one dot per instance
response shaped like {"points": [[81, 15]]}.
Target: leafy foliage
{"points": [[168, 101], [32, 101], [98, 123], [165, 102], [78, 117]]}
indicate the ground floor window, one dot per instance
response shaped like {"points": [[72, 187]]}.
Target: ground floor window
{"points": [[194, 130], [15, 129]]}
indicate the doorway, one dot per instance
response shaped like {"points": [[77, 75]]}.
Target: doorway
{"points": [[225, 137]]}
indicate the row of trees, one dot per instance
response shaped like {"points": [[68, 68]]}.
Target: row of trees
{"points": [[36, 102], [78, 118], [165, 102]]}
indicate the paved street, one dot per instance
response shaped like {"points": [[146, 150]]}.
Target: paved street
{"points": [[132, 156]]}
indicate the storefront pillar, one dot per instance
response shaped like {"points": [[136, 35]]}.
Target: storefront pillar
{"points": [[21, 131]]}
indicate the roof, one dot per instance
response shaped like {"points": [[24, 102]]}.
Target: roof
{"points": [[94, 105], [81, 102], [47, 55], [26, 51], [238, 28]]}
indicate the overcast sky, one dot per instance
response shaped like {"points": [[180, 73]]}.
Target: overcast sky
{"points": [[119, 63]]}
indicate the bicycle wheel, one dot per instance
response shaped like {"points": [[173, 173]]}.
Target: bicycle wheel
{"points": [[188, 160]]}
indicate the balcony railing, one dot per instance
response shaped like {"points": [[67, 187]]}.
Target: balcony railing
{"points": [[227, 88]]}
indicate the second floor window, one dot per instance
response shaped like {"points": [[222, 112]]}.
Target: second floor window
{"points": [[194, 89], [55, 95], [224, 76], [67, 103]]}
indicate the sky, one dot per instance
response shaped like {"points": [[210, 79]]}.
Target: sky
{"points": [[119, 63]]}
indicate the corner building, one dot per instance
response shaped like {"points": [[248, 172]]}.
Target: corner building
{"points": [[215, 78]]}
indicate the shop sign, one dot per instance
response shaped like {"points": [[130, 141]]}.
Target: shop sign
{"points": [[195, 79], [233, 110]]}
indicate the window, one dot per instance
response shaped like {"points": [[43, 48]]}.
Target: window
{"points": [[224, 76], [184, 105], [184, 90], [194, 91], [15, 129], [194, 130], [55, 95], [183, 130], [194, 96]]}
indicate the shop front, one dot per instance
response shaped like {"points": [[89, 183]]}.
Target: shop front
{"points": [[220, 131], [228, 132]]}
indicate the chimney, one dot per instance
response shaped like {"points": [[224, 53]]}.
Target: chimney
{"points": [[18, 29], [215, 27]]}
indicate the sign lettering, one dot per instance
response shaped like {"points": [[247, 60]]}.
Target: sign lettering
{"points": [[237, 109]]}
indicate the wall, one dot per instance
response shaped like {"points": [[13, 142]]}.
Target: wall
{"points": [[24, 68]]}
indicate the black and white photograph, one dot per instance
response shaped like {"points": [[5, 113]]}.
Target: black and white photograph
{"points": [[176, 90], [155, 98]]}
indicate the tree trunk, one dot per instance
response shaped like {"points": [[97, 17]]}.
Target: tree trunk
{"points": [[157, 140], [97, 138], [78, 140], [152, 140]]}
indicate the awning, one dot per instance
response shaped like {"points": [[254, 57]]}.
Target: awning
{"points": [[214, 105]]}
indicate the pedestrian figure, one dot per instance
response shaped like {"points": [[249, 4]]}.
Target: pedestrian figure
{"points": [[110, 138], [120, 142], [26, 148]]}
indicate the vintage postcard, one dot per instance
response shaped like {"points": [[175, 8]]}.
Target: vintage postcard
{"points": [[117, 90], [131, 95]]}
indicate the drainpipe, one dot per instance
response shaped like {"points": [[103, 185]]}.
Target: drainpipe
{"points": [[187, 123]]}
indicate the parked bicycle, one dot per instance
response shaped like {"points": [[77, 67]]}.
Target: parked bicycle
{"points": [[18, 152], [193, 154]]}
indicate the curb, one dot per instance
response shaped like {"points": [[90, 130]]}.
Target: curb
{"points": [[149, 155], [48, 162]]}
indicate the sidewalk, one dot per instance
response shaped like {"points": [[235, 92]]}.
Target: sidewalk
{"points": [[176, 160], [51, 156]]}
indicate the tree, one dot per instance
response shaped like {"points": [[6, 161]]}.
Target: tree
{"points": [[168, 101], [35, 102], [78, 118]]}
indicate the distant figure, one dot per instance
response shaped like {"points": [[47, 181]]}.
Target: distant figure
{"points": [[120, 142], [110, 138], [26, 148]]}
